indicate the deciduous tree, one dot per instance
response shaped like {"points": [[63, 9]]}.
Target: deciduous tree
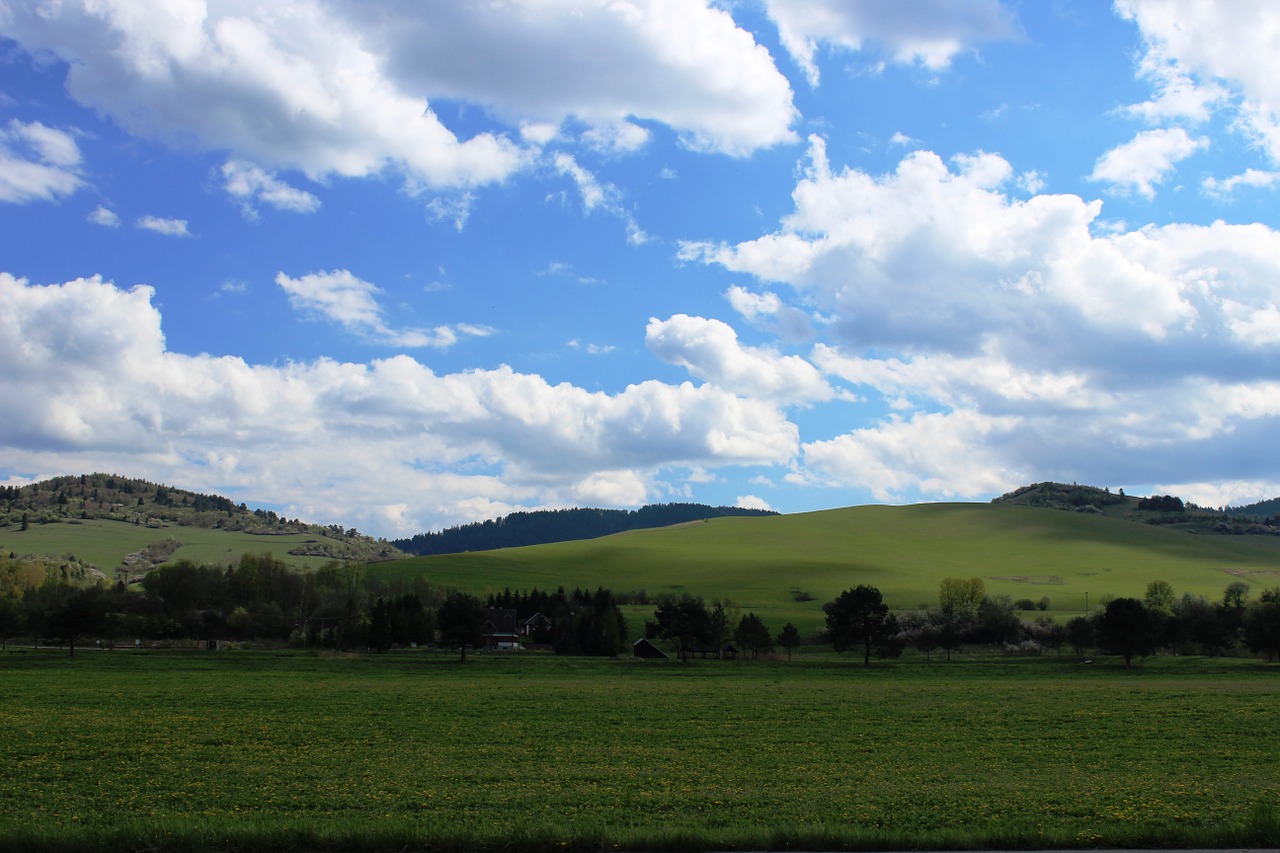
{"points": [[1127, 628], [960, 593]]}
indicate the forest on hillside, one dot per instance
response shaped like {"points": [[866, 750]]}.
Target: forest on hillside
{"points": [[561, 525]]}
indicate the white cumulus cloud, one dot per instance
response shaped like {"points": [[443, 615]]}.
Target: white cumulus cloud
{"points": [[347, 89], [37, 163], [88, 382], [248, 184], [1011, 333], [1145, 160], [928, 32], [1208, 55], [710, 350], [105, 217]]}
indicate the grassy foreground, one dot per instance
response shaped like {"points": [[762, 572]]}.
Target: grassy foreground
{"points": [[265, 751]]}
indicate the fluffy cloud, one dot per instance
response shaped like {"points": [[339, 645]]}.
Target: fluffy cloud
{"points": [[105, 217], [683, 63], [950, 455], [768, 311], [351, 302], [930, 32], [1248, 178], [294, 88], [37, 163], [248, 184], [1204, 53], [1014, 336], [88, 383], [343, 89], [710, 350], [1143, 161], [162, 225]]}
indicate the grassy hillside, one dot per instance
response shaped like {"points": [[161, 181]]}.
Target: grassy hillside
{"points": [[112, 504], [106, 544], [761, 563]]}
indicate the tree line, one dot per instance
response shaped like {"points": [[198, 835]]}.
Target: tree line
{"points": [[259, 598], [541, 527], [1128, 627], [339, 606]]}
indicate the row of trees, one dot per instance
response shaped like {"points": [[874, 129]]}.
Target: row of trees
{"points": [[260, 598], [338, 606], [1128, 627]]}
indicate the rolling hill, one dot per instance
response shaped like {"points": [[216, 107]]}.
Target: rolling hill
{"points": [[96, 523], [785, 567]]}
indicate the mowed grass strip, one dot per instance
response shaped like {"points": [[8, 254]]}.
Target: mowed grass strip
{"points": [[259, 751]]}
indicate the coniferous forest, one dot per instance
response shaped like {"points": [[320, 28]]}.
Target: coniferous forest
{"points": [[561, 525]]}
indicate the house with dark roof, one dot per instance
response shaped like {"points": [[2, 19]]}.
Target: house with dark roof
{"points": [[501, 630], [643, 648]]}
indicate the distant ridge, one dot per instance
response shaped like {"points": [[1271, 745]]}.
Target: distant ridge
{"points": [[1262, 509], [1259, 518], [543, 527]]}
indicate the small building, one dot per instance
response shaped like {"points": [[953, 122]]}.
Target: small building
{"points": [[642, 648], [501, 630], [534, 624]]}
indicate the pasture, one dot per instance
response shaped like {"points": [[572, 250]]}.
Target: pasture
{"points": [[285, 750]]}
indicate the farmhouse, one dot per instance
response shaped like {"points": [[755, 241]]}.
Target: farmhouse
{"points": [[501, 629]]}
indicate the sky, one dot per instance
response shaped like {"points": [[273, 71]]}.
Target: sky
{"points": [[403, 266]]}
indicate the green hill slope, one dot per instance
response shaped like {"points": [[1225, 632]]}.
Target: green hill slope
{"points": [[108, 545], [103, 521], [761, 563]]}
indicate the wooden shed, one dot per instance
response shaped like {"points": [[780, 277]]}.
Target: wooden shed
{"points": [[642, 648]]}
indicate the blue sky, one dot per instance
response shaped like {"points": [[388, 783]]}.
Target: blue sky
{"points": [[403, 266]]}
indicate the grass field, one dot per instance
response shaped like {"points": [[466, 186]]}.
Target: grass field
{"points": [[257, 751], [104, 543], [1023, 552]]}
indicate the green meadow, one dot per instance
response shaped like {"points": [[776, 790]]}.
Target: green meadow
{"points": [[759, 563], [415, 751]]}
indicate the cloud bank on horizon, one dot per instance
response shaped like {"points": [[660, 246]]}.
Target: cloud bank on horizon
{"points": [[410, 266]]}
